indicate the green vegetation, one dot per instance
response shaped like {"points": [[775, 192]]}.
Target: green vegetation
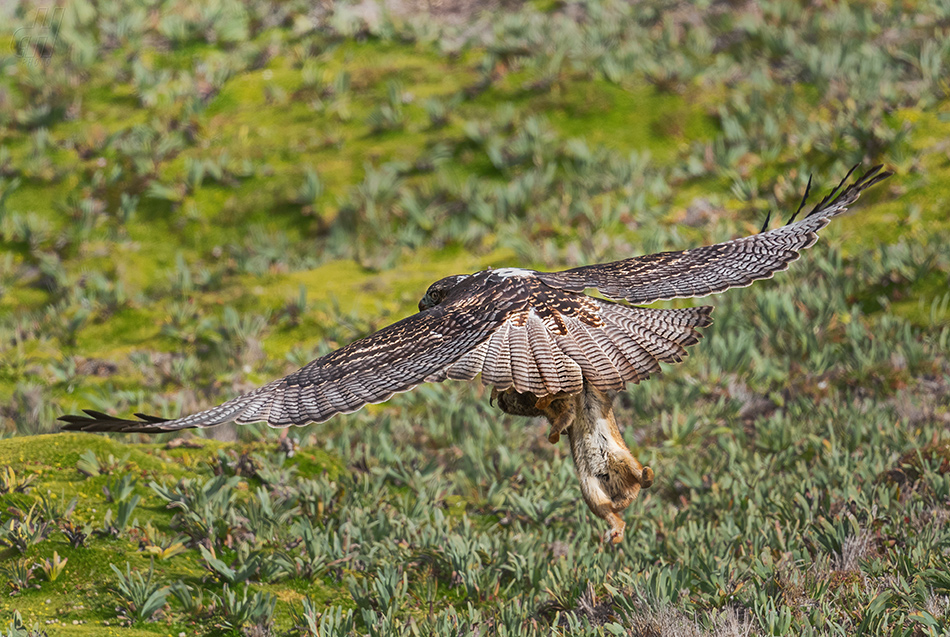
{"points": [[197, 198]]}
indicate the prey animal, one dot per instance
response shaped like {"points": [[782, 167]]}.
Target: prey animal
{"points": [[543, 345]]}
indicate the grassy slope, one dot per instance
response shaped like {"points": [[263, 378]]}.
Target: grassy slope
{"points": [[820, 463], [52, 458]]}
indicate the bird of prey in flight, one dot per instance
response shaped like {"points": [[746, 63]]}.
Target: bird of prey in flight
{"points": [[544, 347]]}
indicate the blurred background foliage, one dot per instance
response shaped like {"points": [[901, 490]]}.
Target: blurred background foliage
{"points": [[198, 197]]}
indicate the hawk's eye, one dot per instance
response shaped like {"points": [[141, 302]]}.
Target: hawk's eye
{"points": [[431, 299]]}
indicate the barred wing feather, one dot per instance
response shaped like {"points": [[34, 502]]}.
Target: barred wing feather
{"points": [[714, 268]]}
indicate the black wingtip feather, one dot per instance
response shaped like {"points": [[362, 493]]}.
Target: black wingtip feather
{"points": [[99, 421], [834, 194], [765, 226], [151, 419], [865, 181], [98, 415], [72, 418], [803, 201]]}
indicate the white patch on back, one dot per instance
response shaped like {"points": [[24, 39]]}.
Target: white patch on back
{"points": [[504, 273]]}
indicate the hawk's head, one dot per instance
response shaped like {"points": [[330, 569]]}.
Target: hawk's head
{"points": [[438, 290]]}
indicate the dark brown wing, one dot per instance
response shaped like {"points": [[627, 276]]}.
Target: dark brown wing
{"points": [[370, 370], [714, 268]]}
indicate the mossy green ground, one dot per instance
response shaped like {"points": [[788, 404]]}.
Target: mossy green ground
{"points": [[187, 213], [75, 596]]}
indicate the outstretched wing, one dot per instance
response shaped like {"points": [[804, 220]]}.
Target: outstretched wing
{"points": [[711, 269], [513, 330], [370, 370]]}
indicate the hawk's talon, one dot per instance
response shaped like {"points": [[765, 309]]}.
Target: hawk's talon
{"points": [[646, 478], [542, 404], [554, 437]]}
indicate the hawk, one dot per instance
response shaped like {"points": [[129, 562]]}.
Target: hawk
{"points": [[543, 345]]}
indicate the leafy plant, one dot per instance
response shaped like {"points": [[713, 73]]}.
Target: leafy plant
{"points": [[238, 613], [19, 575], [90, 465], [120, 524], [16, 628], [437, 111], [204, 512], [227, 574], [24, 530], [379, 600], [53, 568], [316, 559], [75, 533], [10, 482], [120, 489], [192, 601], [161, 545], [389, 115], [331, 622], [311, 190], [139, 597]]}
